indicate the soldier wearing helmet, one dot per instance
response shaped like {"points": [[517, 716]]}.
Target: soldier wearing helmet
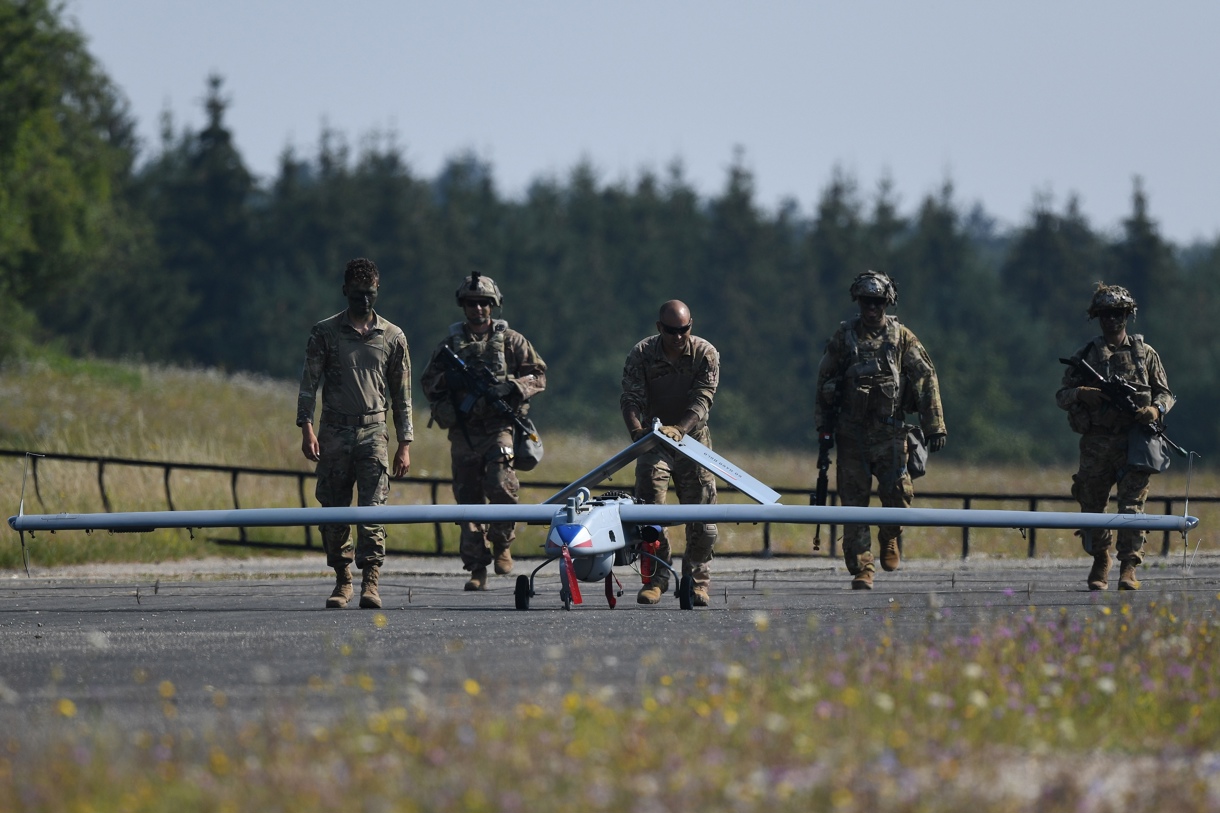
{"points": [[481, 436], [873, 373], [1107, 431]]}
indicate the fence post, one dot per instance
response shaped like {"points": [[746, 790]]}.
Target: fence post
{"points": [[169, 497], [1033, 532], [101, 483], [966, 531], [233, 489]]}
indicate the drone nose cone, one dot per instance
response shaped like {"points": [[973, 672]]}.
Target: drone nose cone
{"points": [[569, 536]]}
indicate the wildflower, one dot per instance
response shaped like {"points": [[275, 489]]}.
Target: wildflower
{"points": [[166, 689], [380, 621], [761, 621], [973, 671], [66, 707], [884, 702], [471, 686], [1107, 685]]}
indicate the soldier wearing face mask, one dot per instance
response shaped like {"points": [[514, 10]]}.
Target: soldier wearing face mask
{"points": [[364, 366], [873, 373], [1105, 429]]}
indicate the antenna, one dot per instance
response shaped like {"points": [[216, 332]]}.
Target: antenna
{"points": [[25, 553], [1190, 465]]}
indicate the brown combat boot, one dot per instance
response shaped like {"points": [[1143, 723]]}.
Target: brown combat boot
{"points": [[1126, 575], [504, 562], [1099, 574], [650, 594], [478, 579], [370, 599], [890, 557], [342, 594], [863, 580], [699, 596]]}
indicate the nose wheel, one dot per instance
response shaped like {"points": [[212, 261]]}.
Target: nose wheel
{"points": [[686, 592], [522, 592]]}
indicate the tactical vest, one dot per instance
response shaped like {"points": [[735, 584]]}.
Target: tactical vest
{"points": [[488, 354], [1130, 363], [870, 382]]}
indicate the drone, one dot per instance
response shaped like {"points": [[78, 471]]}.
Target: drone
{"points": [[591, 535]]}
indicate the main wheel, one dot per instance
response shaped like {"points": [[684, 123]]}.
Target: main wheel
{"points": [[567, 598], [686, 592], [521, 594]]}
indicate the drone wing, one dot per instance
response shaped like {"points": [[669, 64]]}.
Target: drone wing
{"points": [[141, 521], [943, 517]]}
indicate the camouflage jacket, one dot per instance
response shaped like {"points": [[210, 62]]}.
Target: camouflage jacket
{"points": [[360, 375], [664, 389], [507, 354], [1135, 362], [867, 379]]}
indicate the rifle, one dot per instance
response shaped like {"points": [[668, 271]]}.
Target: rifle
{"points": [[477, 383], [826, 442], [1122, 394]]}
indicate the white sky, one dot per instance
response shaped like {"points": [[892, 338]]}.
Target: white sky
{"points": [[1006, 99]]}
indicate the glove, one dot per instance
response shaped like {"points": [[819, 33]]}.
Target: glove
{"points": [[1148, 414], [936, 442], [1091, 396], [638, 433], [672, 432], [826, 441], [504, 389]]}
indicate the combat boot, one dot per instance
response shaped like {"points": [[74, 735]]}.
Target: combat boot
{"points": [[504, 562], [890, 557], [1126, 575], [370, 599], [699, 596], [1099, 574], [863, 580], [478, 579], [342, 594], [650, 594]]}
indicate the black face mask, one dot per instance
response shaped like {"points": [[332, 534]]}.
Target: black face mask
{"points": [[360, 303]]}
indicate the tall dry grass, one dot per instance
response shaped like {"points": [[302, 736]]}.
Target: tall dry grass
{"points": [[163, 414]]}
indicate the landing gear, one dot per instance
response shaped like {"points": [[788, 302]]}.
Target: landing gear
{"points": [[522, 592], [686, 592]]}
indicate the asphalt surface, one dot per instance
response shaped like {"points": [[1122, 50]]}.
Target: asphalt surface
{"points": [[132, 644]]}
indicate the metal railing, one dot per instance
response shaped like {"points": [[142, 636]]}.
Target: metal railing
{"points": [[434, 485]]}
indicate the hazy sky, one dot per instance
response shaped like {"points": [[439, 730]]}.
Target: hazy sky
{"points": [[1007, 99]]}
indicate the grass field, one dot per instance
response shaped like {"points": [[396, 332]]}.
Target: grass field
{"points": [[199, 416]]}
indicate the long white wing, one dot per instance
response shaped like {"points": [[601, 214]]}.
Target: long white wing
{"points": [[940, 517]]}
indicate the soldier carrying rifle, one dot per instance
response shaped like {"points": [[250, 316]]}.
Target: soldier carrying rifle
{"points": [[1116, 396]]}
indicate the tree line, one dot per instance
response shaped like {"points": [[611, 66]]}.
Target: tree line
{"points": [[184, 256]]}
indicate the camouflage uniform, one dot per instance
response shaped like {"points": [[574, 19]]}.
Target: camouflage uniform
{"points": [[361, 376], [664, 389], [1103, 442], [867, 383], [481, 445]]}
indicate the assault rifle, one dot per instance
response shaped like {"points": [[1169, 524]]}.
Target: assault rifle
{"points": [[476, 383], [1120, 393], [826, 442]]}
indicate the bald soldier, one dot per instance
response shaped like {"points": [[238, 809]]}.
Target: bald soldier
{"points": [[673, 376]]}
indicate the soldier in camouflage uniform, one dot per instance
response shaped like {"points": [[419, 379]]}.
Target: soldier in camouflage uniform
{"points": [[1104, 430], [873, 373], [673, 376], [364, 366], [481, 440]]}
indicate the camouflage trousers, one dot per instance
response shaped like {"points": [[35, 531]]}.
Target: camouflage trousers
{"points": [[353, 456], [1103, 463], [878, 451], [483, 473], [694, 485]]}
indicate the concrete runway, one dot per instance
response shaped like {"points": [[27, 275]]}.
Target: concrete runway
{"points": [[238, 638]]}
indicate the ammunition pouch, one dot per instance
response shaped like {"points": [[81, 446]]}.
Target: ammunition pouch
{"points": [[1146, 450]]}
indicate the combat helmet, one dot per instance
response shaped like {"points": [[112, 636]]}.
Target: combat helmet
{"points": [[477, 286], [874, 283], [1111, 297]]}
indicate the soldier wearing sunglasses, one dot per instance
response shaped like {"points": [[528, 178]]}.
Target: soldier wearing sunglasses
{"points": [[673, 376]]}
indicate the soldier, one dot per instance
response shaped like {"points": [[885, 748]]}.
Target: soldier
{"points": [[1104, 429], [364, 366], [873, 373], [673, 376], [481, 437]]}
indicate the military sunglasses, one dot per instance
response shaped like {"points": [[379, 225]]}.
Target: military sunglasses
{"points": [[677, 331]]}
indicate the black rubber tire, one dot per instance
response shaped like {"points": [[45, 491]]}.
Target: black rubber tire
{"points": [[521, 593], [686, 593]]}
